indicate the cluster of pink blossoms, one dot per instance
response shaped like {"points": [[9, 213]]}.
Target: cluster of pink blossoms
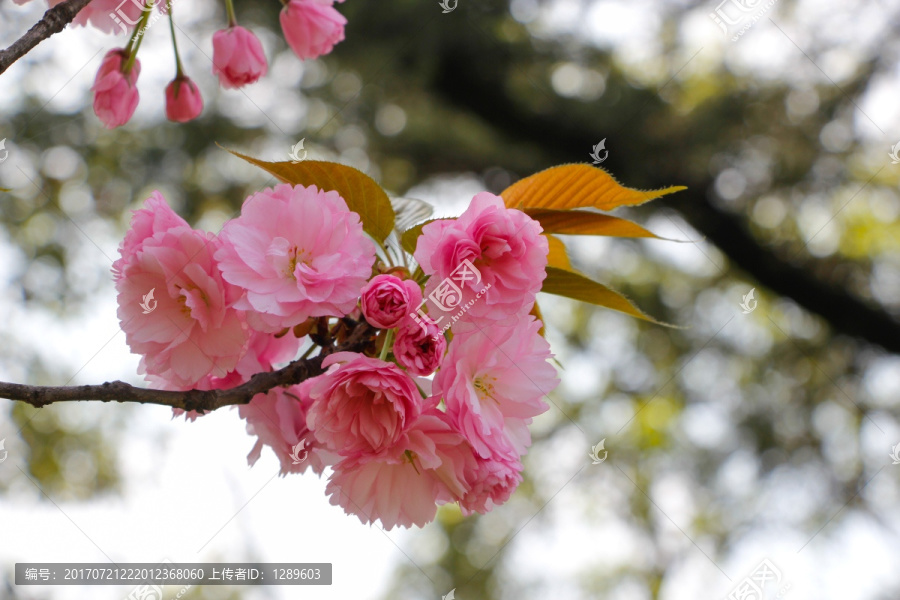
{"points": [[311, 28], [411, 422]]}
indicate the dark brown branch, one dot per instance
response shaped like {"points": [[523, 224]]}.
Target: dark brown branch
{"points": [[53, 21], [200, 400], [469, 84]]}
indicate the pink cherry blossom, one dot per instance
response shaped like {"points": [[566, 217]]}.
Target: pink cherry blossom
{"points": [[387, 300], [109, 16], [418, 350], [263, 353], [238, 57], [491, 482], [298, 253], [183, 100], [278, 419], [427, 466], [493, 382], [174, 307], [505, 248], [312, 27], [362, 405], [115, 93]]}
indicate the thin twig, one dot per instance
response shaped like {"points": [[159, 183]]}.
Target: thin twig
{"points": [[53, 21], [200, 400]]}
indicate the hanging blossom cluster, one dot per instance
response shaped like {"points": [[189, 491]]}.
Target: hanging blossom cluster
{"points": [[434, 409], [311, 28]]}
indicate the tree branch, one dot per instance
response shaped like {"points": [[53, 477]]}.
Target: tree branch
{"points": [[53, 21], [469, 84], [200, 400]]}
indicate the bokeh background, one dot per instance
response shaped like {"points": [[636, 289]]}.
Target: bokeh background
{"points": [[732, 438]]}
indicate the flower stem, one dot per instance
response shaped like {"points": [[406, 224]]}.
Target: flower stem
{"points": [[179, 72], [308, 352], [388, 339], [137, 37], [229, 8]]}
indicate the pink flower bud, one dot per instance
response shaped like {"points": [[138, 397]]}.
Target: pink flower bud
{"points": [[419, 350], [183, 100], [386, 300], [312, 27], [238, 57], [115, 93]]}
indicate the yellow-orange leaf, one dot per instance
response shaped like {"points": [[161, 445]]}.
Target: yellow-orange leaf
{"points": [[536, 312], [576, 186], [558, 257], [363, 195], [578, 287], [582, 222]]}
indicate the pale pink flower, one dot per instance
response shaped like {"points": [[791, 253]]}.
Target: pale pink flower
{"points": [[115, 93], [183, 100], [109, 16], [491, 482], [386, 300], [362, 405], [238, 57], [493, 382], [418, 350], [188, 328], [427, 466], [508, 253], [278, 419], [298, 253], [312, 27], [263, 352]]}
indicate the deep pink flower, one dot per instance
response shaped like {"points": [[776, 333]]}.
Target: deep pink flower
{"points": [[419, 350], [278, 419], [427, 466], [493, 382], [361, 405], [115, 93], [312, 27], [174, 307], [298, 253], [490, 483], [238, 57], [183, 100], [507, 252], [387, 300]]}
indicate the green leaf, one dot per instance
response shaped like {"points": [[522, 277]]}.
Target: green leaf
{"points": [[411, 236], [361, 193], [576, 186], [578, 287]]}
